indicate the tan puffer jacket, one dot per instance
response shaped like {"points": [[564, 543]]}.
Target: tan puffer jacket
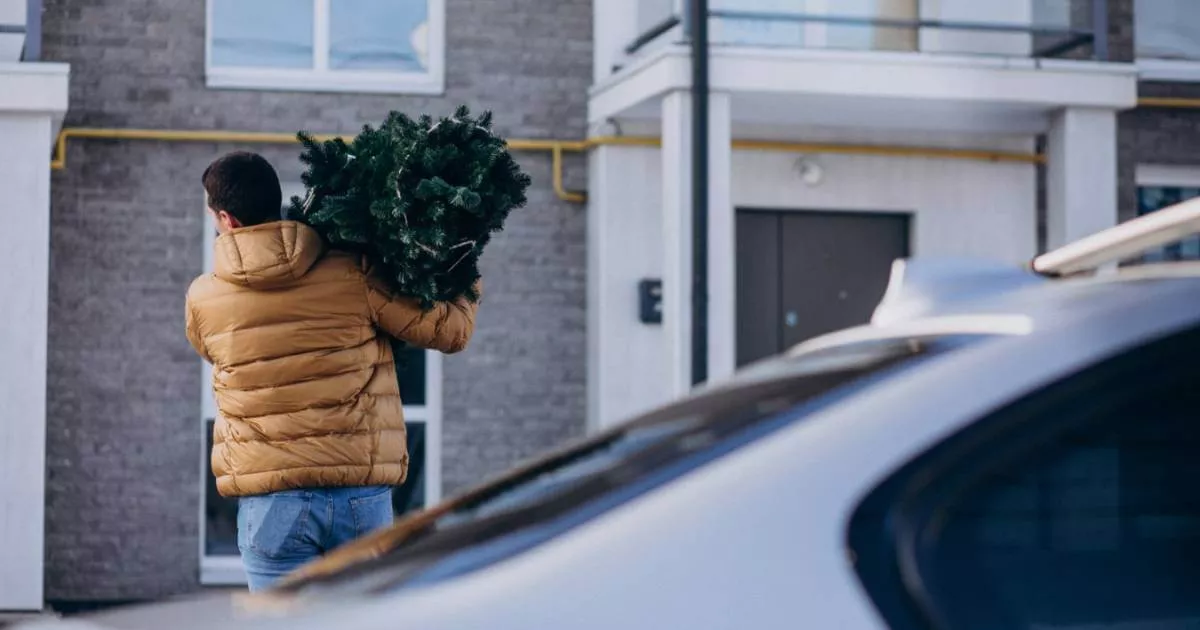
{"points": [[302, 367]]}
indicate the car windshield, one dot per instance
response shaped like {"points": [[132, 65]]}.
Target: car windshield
{"points": [[550, 496]]}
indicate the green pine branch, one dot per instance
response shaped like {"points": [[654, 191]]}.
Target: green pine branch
{"points": [[419, 197]]}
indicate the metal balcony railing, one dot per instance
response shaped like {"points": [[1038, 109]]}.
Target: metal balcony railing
{"points": [[1073, 29]]}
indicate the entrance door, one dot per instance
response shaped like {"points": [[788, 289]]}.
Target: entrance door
{"points": [[803, 274]]}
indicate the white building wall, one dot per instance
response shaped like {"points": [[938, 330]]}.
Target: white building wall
{"points": [[627, 360], [25, 258], [959, 208], [33, 98]]}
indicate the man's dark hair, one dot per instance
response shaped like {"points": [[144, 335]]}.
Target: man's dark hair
{"points": [[244, 185]]}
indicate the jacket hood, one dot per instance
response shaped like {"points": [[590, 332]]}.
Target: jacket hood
{"points": [[267, 256]]}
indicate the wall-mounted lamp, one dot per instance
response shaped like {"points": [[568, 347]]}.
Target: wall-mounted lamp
{"points": [[810, 170]]}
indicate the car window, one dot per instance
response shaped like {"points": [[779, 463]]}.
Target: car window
{"points": [[542, 500], [1083, 511], [1102, 527]]}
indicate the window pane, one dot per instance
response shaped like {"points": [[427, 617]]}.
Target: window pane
{"points": [[262, 33], [788, 33], [220, 514], [872, 37], [1100, 529], [763, 32], [410, 496], [378, 35], [1167, 29], [410, 369], [1055, 13], [1154, 198], [651, 13]]}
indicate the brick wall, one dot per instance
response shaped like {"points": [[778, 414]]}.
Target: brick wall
{"points": [[1153, 135], [1121, 23], [123, 428]]}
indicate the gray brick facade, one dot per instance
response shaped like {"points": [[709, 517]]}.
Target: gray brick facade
{"points": [[1121, 48], [1155, 135], [124, 440]]}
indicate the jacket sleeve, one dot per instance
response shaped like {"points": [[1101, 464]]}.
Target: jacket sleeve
{"points": [[447, 327], [193, 332]]}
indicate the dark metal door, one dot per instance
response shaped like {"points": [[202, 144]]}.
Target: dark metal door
{"points": [[759, 331], [835, 269], [803, 274]]}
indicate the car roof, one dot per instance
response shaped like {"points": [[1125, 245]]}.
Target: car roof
{"points": [[1046, 300]]}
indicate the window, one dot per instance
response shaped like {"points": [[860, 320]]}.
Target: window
{"points": [[1167, 29], [1077, 508], [420, 389], [389, 46], [1167, 38], [1162, 186]]}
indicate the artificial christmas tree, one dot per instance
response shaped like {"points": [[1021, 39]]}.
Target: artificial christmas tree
{"points": [[419, 198]]}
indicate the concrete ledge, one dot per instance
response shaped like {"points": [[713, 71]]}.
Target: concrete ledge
{"points": [[35, 88], [10, 618]]}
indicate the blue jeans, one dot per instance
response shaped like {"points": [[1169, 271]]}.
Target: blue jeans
{"points": [[279, 532]]}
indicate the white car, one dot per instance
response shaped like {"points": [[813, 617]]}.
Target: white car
{"points": [[1000, 448]]}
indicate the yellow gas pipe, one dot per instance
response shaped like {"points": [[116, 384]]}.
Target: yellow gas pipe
{"points": [[556, 147]]}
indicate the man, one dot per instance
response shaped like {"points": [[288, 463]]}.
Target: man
{"points": [[310, 431]]}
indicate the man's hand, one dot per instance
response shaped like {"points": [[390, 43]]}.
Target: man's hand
{"points": [[447, 327]]}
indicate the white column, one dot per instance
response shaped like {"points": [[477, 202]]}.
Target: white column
{"points": [[722, 241], [32, 96], [1081, 174], [677, 240]]}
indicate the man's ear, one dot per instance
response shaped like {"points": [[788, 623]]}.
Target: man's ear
{"points": [[228, 220]]}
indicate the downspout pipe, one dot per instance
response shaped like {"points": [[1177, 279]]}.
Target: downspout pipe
{"points": [[1100, 30], [698, 26], [33, 31]]}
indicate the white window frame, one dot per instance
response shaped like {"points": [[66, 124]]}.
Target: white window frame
{"points": [[1168, 175], [227, 570], [321, 79], [1176, 70]]}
